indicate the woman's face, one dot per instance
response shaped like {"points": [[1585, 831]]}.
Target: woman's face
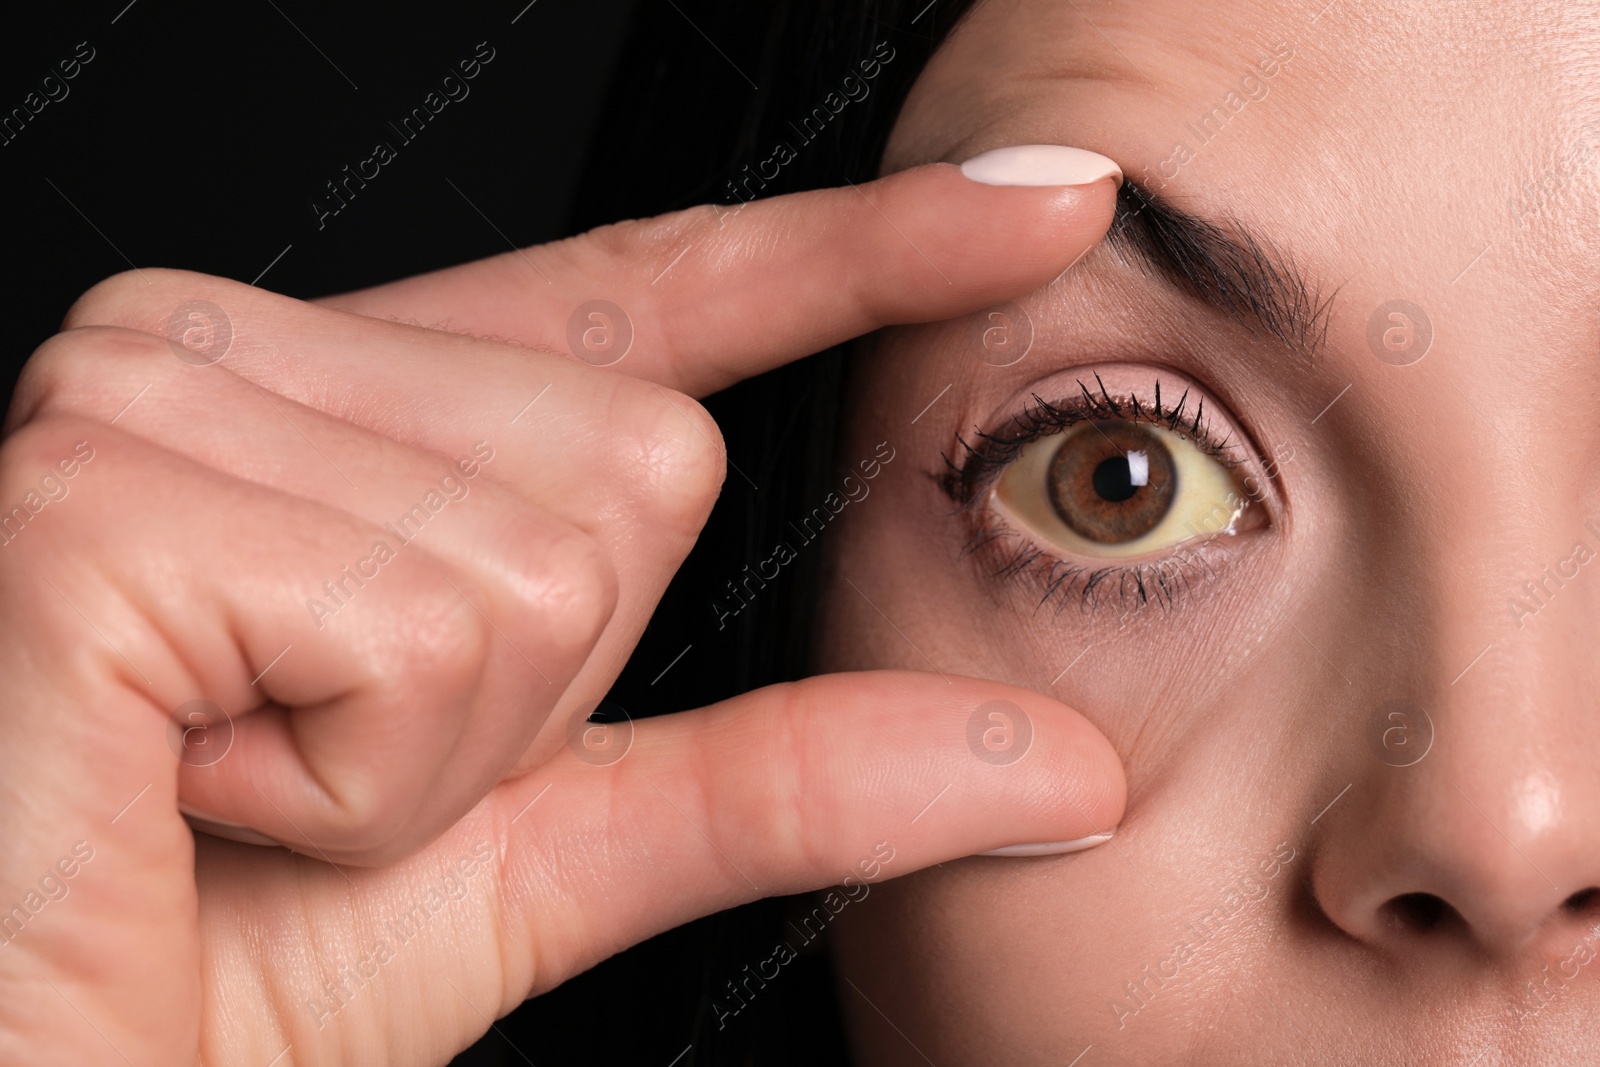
{"points": [[1338, 620]]}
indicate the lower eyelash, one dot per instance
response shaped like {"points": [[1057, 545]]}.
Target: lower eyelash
{"points": [[1131, 588]]}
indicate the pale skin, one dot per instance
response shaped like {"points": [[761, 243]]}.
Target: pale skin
{"points": [[414, 742], [1388, 158]]}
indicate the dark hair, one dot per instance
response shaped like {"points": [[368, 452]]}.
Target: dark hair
{"points": [[680, 126]]}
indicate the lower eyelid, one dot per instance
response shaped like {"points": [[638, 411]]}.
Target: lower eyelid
{"points": [[1164, 582]]}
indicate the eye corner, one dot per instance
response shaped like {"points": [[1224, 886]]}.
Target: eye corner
{"points": [[964, 480]]}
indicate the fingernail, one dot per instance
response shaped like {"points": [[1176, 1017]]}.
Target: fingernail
{"points": [[1049, 848], [232, 831], [1041, 164]]}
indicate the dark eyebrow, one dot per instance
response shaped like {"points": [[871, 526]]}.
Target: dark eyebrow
{"points": [[1223, 266]]}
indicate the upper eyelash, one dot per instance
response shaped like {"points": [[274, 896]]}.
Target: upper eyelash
{"points": [[994, 450]]}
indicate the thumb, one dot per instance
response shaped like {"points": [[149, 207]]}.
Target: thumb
{"points": [[841, 779]]}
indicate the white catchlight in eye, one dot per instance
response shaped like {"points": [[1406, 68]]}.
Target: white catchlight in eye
{"points": [[1138, 468]]}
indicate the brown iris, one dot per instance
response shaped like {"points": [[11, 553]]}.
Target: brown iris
{"points": [[1112, 482]]}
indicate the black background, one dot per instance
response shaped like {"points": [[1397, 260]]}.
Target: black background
{"points": [[199, 137]]}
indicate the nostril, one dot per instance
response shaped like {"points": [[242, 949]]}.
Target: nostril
{"points": [[1418, 912], [1582, 900]]}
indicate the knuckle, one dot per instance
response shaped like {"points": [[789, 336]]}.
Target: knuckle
{"points": [[568, 593], [369, 818], [676, 461], [128, 298], [39, 444], [69, 371], [443, 648], [639, 243], [425, 665], [37, 465], [805, 812], [786, 818], [26, 447]]}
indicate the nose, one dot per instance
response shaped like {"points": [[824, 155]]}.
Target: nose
{"points": [[1470, 828], [1433, 862]]}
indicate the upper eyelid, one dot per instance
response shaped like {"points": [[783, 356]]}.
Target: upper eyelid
{"points": [[980, 462]]}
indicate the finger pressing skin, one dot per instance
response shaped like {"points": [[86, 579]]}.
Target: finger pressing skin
{"points": [[840, 780], [355, 726], [713, 295], [700, 299], [794, 787]]}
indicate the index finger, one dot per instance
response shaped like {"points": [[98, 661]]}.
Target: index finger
{"points": [[702, 298]]}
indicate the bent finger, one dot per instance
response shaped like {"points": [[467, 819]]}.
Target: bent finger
{"points": [[354, 733]]}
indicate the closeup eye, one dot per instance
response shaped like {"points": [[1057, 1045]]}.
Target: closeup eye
{"points": [[1124, 488], [1119, 489]]}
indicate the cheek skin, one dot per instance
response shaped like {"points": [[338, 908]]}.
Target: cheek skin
{"points": [[1013, 940], [1037, 956]]}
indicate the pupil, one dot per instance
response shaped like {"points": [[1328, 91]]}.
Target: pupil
{"points": [[1113, 480]]}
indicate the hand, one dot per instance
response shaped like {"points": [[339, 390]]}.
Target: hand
{"points": [[198, 531]]}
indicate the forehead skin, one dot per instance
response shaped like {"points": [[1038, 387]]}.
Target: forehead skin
{"points": [[1388, 151], [1447, 155]]}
